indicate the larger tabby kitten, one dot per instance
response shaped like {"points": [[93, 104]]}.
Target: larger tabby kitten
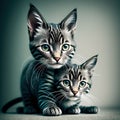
{"points": [[52, 46], [71, 84]]}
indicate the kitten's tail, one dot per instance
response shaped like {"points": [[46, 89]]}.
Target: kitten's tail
{"points": [[11, 103]]}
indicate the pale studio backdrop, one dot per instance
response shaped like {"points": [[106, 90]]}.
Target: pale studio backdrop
{"points": [[97, 32]]}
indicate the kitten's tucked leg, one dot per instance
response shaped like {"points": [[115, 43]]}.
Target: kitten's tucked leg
{"points": [[89, 110], [50, 111], [73, 110]]}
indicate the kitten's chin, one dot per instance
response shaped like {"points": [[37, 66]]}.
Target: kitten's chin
{"points": [[73, 98], [55, 66]]}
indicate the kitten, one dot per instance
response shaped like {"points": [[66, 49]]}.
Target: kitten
{"points": [[52, 46], [71, 84]]}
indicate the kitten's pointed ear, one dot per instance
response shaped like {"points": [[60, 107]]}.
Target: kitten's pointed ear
{"points": [[35, 21], [69, 22], [90, 63]]}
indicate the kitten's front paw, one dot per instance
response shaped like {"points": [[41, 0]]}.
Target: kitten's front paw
{"points": [[89, 110], [29, 110], [74, 110], [52, 111]]}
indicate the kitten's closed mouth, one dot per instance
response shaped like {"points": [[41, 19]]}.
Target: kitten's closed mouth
{"points": [[56, 64]]}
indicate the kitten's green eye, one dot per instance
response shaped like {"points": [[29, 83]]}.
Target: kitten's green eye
{"points": [[45, 47], [82, 84], [65, 47], [66, 83]]}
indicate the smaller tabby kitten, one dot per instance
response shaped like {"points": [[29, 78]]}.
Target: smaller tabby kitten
{"points": [[71, 84]]}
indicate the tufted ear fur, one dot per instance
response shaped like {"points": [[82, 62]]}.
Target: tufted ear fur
{"points": [[69, 21], [90, 63], [35, 21]]}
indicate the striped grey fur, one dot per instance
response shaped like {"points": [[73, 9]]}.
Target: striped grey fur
{"points": [[52, 46], [71, 84]]}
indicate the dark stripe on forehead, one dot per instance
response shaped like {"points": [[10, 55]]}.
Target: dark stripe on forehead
{"points": [[75, 73], [61, 38], [55, 34], [71, 74]]}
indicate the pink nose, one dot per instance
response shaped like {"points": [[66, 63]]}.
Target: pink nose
{"points": [[57, 58], [75, 92]]}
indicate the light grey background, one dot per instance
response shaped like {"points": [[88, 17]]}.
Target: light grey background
{"points": [[97, 32]]}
